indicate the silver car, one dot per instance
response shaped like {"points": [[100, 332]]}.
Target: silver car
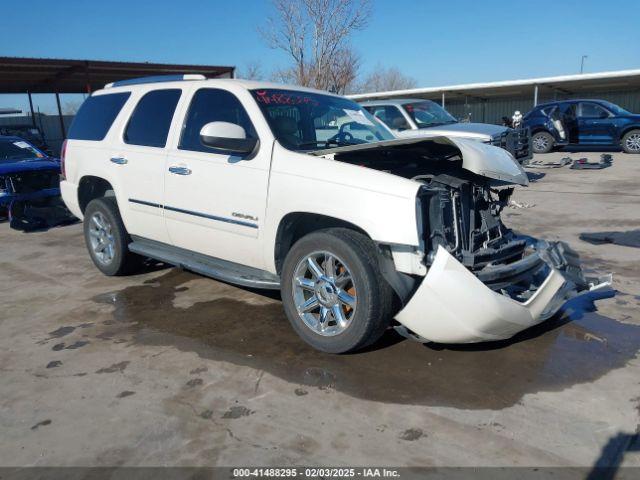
{"points": [[425, 118]]}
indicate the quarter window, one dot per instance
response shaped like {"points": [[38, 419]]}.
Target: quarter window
{"points": [[212, 105], [150, 122], [96, 115]]}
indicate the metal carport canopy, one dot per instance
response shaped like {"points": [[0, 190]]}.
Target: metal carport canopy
{"points": [[53, 75], [511, 88]]}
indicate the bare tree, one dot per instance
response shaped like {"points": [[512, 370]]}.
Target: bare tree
{"points": [[252, 71], [315, 34], [386, 79]]}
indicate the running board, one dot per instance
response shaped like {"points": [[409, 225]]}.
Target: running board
{"points": [[209, 266]]}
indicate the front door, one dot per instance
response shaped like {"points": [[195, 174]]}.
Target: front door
{"points": [[595, 125], [215, 201]]}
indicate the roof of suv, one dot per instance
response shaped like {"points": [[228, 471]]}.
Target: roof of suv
{"points": [[246, 84], [571, 100]]}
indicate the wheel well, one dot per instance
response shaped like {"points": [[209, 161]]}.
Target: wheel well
{"points": [[90, 188], [538, 130], [627, 130], [294, 226]]}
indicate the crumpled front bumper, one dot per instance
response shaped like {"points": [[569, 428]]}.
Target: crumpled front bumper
{"points": [[452, 305]]}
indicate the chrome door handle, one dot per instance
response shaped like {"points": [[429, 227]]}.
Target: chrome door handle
{"points": [[180, 170], [119, 160]]}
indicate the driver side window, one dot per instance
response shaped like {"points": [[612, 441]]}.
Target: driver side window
{"points": [[390, 116], [592, 110], [212, 105]]}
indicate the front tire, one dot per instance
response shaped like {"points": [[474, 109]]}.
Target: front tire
{"points": [[107, 239], [631, 141], [333, 292], [542, 142]]}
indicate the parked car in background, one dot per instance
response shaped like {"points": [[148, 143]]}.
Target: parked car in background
{"points": [[583, 122], [30, 186], [294, 189], [424, 118], [29, 133]]}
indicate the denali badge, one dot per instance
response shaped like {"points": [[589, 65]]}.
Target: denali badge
{"points": [[244, 215]]}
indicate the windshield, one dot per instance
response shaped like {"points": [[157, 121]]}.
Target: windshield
{"points": [[12, 149], [428, 114], [304, 121]]}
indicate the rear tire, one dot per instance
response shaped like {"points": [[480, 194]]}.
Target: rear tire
{"points": [[107, 239], [631, 141], [542, 142], [353, 302]]}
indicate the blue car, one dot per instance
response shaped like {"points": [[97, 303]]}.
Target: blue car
{"points": [[29, 186], [584, 123]]}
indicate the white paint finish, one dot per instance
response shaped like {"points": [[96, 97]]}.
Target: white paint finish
{"points": [[408, 260], [69, 192], [453, 306], [489, 161], [219, 185], [486, 160], [381, 204], [223, 130]]}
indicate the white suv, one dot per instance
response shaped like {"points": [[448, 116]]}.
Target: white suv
{"points": [[289, 188]]}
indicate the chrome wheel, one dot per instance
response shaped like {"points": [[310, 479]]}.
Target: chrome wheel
{"points": [[324, 293], [632, 142], [540, 143], [101, 238]]}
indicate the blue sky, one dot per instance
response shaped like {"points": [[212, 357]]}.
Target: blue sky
{"points": [[436, 42]]}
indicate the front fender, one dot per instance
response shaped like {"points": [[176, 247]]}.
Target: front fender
{"points": [[380, 204]]}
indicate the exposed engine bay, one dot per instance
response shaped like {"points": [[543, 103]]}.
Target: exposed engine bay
{"points": [[460, 212]]}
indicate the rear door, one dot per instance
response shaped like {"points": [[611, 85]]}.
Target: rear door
{"points": [[215, 201], [595, 124], [139, 157]]}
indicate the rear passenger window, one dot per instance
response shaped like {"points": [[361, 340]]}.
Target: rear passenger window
{"points": [[212, 105], [96, 115], [149, 124]]}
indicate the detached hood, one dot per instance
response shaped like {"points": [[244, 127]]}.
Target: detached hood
{"points": [[485, 160], [475, 130]]}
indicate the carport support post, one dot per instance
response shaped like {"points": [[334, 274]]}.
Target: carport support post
{"points": [[33, 115], [64, 133], [535, 95], [442, 99]]}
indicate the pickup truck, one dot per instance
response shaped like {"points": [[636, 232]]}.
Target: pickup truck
{"points": [[289, 188], [408, 118]]}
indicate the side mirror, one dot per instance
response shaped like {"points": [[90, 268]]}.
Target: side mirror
{"points": [[604, 115], [227, 136]]}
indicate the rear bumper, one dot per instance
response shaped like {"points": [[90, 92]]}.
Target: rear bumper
{"points": [[453, 306], [69, 192]]}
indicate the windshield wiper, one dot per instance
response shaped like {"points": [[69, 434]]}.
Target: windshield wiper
{"points": [[326, 144]]}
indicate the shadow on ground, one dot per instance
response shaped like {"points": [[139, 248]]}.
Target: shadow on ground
{"points": [[630, 238], [575, 347]]}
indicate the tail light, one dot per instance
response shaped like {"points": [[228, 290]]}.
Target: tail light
{"points": [[63, 152]]}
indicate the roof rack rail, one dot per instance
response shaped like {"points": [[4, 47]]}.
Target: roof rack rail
{"points": [[155, 79]]}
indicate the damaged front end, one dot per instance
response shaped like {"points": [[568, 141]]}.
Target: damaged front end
{"points": [[483, 282], [30, 195]]}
